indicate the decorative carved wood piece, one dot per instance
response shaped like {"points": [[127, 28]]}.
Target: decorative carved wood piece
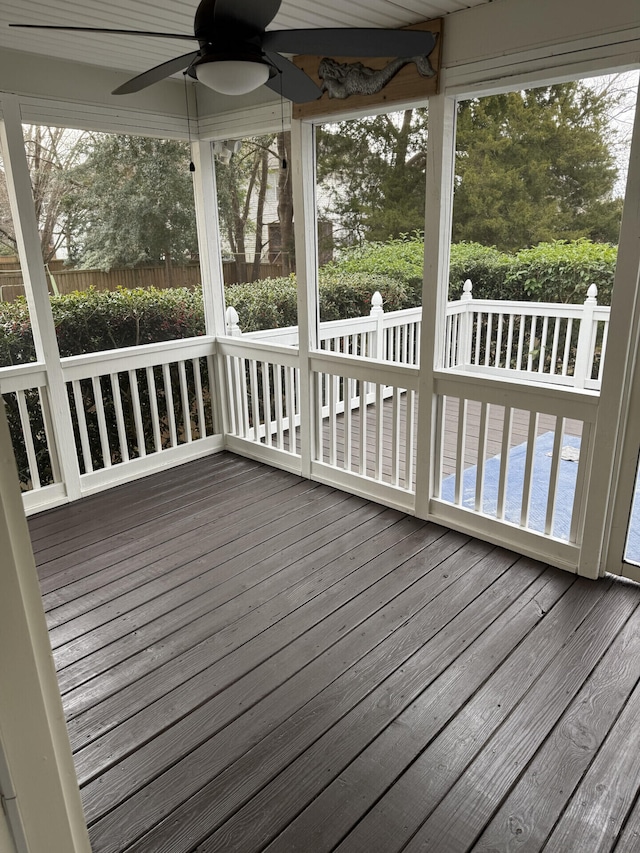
{"points": [[354, 83]]}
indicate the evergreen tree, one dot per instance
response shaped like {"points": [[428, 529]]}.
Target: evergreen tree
{"points": [[535, 166], [133, 199]]}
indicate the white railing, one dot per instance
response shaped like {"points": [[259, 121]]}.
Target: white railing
{"points": [[263, 399], [556, 343], [129, 407], [24, 390], [515, 454], [559, 344], [366, 430], [389, 336]]}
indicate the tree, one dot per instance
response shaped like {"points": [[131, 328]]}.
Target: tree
{"points": [[372, 174], [133, 202], [535, 166], [242, 189], [51, 152], [531, 166]]}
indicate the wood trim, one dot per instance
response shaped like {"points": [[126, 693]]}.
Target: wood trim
{"points": [[406, 86]]}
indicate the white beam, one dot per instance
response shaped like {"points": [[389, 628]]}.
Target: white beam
{"points": [[303, 175], [38, 777], [438, 213], [35, 283], [617, 436]]}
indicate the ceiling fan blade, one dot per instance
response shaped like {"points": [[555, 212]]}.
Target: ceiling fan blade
{"points": [[294, 84], [101, 30], [158, 72], [351, 41], [252, 15]]}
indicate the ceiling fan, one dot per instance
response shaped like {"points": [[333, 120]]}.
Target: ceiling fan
{"points": [[237, 54]]}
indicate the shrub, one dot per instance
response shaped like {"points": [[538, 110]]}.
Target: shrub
{"points": [[562, 271], [272, 303], [401, 260], [267, 304], [488, 270]]}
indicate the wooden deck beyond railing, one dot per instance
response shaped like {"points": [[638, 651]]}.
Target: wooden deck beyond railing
{"points": [[250, 661]]}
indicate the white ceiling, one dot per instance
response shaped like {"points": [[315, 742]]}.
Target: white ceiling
{"points": [[135, 54]]}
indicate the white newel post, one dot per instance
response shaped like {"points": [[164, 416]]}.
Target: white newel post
{"points": [[35, 283], [233, 329], [377, 312], [466, 324], [584, 352]]}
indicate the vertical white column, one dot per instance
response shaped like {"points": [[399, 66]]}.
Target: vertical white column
{"points": [[35, 283], [39, 785], [208, 225], [438, 211], [610, 478], [303, 175]]}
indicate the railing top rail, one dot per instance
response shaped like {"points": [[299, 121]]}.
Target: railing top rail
{"points": [[83, 366]]}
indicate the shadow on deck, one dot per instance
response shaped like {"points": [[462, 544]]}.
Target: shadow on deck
{"points": [[250, 661]]}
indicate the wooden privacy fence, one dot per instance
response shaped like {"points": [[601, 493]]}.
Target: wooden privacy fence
{"points": [[70, 280]]}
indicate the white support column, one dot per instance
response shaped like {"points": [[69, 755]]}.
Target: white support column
{"points": [[35, 283], [439, 207], [37, 775], [612, 473], [208, 225], [306, 238]]}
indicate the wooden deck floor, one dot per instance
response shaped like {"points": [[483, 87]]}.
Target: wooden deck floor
{"points": [[251, 662]]}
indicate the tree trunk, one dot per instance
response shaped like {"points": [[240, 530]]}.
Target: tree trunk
{"points": [[263, 182], [285, 204]]}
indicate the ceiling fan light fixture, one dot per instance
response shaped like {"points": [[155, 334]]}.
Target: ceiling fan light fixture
{"points": [[233, 76]]}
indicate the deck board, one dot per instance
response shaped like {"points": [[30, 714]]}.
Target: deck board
{"points": [[250, 661]]}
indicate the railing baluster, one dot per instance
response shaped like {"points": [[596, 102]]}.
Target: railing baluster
{"points": [[168, 396], [567, 347], [509, 351], [543, 345], [476, 355], [409, 438], [482, 450], [441, 407], [197, 379], [363, 427], [153, 406], [504, 460], [554, 348], [460, 449], [290, 407], [233, 388], [120, 424], [498, 359], [553, 479], [49, 432], [266, 402], [603, 349], [184, 397], [521, 331], [395, 438], [487, 342], [255, 403], [278, 404], [102, 421], [580, 494], [25, 422], [137, 413], [528, 469], [379, 430], [82, 425], [532, 341], [333, 418], [348, 403]]}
